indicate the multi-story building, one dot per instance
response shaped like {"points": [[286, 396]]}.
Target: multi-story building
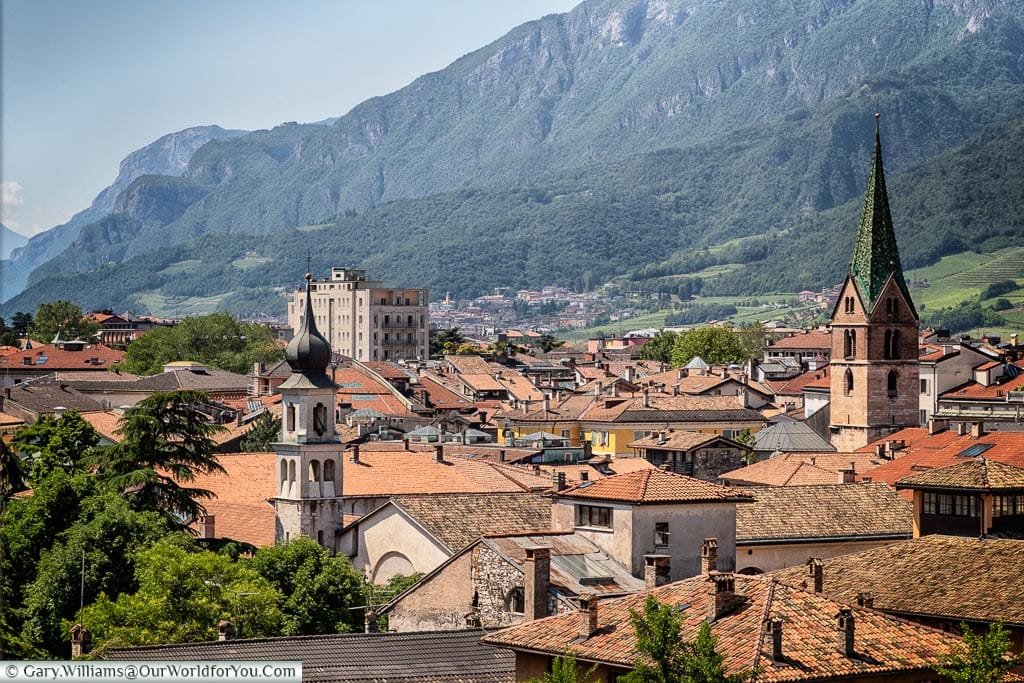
{"points": [[365, 320]]}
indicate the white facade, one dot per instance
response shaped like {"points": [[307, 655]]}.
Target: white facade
{"points": [[365, 320]]}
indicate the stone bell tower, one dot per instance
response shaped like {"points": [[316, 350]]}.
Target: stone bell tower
{"points": [[875, 372], [308, 500]]}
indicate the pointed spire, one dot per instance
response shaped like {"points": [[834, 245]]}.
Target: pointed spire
{"points": [[308, 353], [875, 254]]}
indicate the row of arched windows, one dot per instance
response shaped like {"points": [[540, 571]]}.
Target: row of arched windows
{"points": [[890, 351], [891, 383]]}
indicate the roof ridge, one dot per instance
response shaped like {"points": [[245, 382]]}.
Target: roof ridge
{"points": [[766, 614], [645, 479]]}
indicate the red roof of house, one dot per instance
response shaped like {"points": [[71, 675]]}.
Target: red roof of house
{"points": [[654, 486], [51, 358], [815, 339]]}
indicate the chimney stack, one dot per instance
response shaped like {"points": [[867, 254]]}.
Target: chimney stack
{"points": [[977, 429], [709, 556], [657, 570], [847, 475], [775, 630], [405, 444], [538, 578], [239, 421], [587, 615], [355, 454], [935, 425], [438, 452], [845, 627], [647, 398], [370, 622], [207, 526], [81, 641], [816, 573], [226, 630], [584, 475], [501, 455], [962, 429], [722, 597], [866, 599], [558, 481]]}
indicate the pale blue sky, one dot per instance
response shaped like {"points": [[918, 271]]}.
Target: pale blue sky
{"points": [[85, 83]]}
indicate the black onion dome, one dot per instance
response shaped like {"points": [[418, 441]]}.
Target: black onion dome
{"points": [[308, 352]]}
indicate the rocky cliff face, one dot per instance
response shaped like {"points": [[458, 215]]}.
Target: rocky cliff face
{"points": [[10, 240], [168, 156]]}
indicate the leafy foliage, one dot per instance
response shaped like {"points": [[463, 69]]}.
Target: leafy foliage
{"points": [[445, 342], [164, 441], [964, 316], [565, 669], [660, 347], [55, 443], [62, 317], [265, 430], [716, 345], [981, 658], [700, 313], [998, 288], [218, 340]]}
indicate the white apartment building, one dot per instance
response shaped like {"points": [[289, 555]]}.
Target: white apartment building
{"points": [[365, 320]]}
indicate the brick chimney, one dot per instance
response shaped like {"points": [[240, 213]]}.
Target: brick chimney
{"points": [[962, 429], [355, 454], [81, 641], [538, 577], [722, 597], [775, 631], [866, 599], [225, 630], [558, 481], [977, 429], [816, 573], [647, 398], [935, 425], [709, 556], [438, 452], [587, 615], [657, 570], [845, 627], [207, 526]]}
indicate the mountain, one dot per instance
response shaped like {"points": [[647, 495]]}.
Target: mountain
{"points": [[167, 156], [10, 240], [621, 138]]}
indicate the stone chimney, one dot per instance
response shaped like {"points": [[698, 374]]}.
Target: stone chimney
{"points": [[355, 454], [709, 556], [847, 475], [775, 631], [962, 428], [405, 444], [935, 425], [370, 622], [587, 615], [647, 398], [538, 577], [501, 455], [866, 599], [81, 641], [239, 418], [207, 526], [816, 573], [558, 481], [225, 630], [977, 429], [438, 452], [657, 570], [845, 626], [722, 598]]}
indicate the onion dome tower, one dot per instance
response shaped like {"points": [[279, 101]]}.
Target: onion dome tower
{"points": [[309, 476]]}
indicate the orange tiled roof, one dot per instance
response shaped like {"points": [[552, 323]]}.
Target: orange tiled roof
{"points": [[797, 469], [96, 357], [675, 439], [979, 474], [671, 408], [459, 519], [882, 643], [951, 577], [974, 390], [815, 339], [654, 486], [811, 378]]}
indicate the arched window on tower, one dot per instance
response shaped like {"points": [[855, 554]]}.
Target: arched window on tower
{"points": [[887, 348], [894, 344], [891, 383], [329, 470], [849, 343], [314, 470], [320, 419], [515, 601], [890, 306], [283, 485], [848, 383], [848, 304], [290, 420]]}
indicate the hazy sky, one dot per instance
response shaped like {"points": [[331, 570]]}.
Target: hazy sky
{"points": [[86, 83]]}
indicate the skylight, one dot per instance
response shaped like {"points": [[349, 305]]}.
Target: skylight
{"points": [[975, 450]]}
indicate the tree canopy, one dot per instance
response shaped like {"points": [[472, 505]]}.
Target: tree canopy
{"points": [[981, 658], [64, 318], [218, 340]]}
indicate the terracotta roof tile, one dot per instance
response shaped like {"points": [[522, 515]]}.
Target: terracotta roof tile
{"points": [[883, 644], [797, 469], [50, 358], [974, 390], [951, 577], [810, 340], [979, 474], [654, 486], [675, 439], [459, 519], [828, 511], [671, 408]]}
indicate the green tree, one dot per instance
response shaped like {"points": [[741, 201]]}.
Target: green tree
{"points": [[7, 335], [218, 340], [12, 477], [547, 342], [565, 669], [499, 350], [660, 347], [320, 591], [21, 323], [716, 345], [980, 658], [165, 441], [666, 658], [445, 341], [183, 593], [64, 318], [752, 340], [265, 430], [55, 443], [106, 533]]}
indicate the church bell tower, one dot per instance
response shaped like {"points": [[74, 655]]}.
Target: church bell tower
{"points": [[875, 372], [308, 500]]}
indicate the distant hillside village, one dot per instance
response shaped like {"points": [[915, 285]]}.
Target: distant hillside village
{"points": [[843, 504]]}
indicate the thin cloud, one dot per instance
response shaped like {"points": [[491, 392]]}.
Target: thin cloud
{"points": [[11, 194]]}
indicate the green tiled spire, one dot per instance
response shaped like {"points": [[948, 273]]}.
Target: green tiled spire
{"points": [[875, 255]]}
